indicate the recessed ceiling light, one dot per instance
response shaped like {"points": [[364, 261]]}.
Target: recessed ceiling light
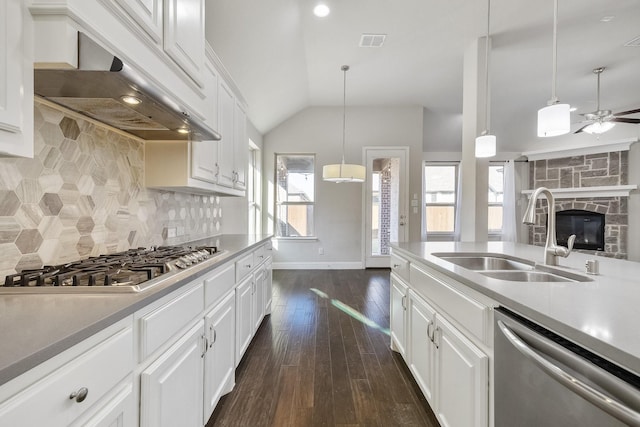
{"points": [[607, 18], [131, 100], [321, 10], [182, 130]]}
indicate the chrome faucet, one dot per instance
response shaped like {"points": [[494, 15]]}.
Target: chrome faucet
{"points": [[551, 248]]}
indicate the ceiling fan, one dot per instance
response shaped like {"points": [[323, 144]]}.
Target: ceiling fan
{"points": [[603, 120]]}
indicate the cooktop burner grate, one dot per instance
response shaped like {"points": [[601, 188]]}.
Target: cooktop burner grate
{"points": [[127, 268]]}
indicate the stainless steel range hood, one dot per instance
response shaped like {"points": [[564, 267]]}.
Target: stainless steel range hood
{"points": [[99, 87]]}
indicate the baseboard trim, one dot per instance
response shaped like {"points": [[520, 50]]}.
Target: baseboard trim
{"points": [[318, 265]]}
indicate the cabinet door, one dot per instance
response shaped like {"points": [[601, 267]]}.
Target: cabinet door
{"points": [[204, 154], [16, 79], [184, 35], [241, 147], [258, 297], [244, 323], [171, 387], [147, 14], [219, 366], [398, 315], [420, 347], [226, 107], [462, 372], [268, 287]]}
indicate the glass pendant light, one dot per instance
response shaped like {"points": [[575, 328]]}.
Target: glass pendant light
{"points": [[486, 143], [344, 172], [555, 118]]}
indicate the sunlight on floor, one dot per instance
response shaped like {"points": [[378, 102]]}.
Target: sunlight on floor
{"points": [[351, 311]]}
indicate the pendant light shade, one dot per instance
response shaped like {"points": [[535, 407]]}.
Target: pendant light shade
{"points": [[486, 146], [598, 127], [344, 172], [486, 143], [555, 118]]}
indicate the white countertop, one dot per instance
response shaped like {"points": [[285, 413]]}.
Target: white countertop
{"points": [[601, 315]]}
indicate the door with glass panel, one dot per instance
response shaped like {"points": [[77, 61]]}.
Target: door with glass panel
{"points": [[386, 201]]}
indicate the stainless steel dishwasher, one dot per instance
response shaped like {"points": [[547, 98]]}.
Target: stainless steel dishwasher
{"points": [[543, 380]]}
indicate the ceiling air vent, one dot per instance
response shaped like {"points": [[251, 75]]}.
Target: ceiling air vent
{"points": [[372, 40], [635, 42]]}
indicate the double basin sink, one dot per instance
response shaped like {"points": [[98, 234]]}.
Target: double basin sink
{"points": [[505, 267]]}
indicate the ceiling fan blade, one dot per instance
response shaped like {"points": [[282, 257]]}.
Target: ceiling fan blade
{"points": [[580, 130], [624, 120], [626, 113]]}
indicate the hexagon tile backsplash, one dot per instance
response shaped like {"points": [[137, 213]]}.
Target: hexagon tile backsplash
{"points": [[83, 195]]}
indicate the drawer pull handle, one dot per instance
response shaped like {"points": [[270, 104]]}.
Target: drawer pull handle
{"points": [[79, 395], [396, 265], [260, 256], [247, 266]]}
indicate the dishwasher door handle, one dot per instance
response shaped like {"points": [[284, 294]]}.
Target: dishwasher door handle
{"points": [[601, 400]]}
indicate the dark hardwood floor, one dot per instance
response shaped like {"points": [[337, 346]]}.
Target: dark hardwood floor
{"points": [[322, 358]]}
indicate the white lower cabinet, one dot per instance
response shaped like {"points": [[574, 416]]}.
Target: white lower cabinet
{"points": [[115, 410], [462, 378], [420, 345], [451, 371], [398, 315], [259, 284], [171, 387], [219, 360], [244, 322]]}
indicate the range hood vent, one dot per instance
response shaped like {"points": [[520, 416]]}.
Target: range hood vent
{"points": [[100, 88]]}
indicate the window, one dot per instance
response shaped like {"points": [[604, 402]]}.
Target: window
{"points": [[254, 184], [441, 183], [496, 195], [295, 195]]}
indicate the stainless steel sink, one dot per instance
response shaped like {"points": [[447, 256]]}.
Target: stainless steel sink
{"points": [[508, 268], [526, 276], [487, 262]]}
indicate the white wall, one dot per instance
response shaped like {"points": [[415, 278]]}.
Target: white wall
{"points": [[338, 209]]}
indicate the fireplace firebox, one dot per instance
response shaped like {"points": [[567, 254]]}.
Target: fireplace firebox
{"points": [[586, 225]]}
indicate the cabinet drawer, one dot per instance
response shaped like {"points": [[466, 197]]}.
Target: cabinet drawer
{"points": [[244, 266], [400, 266], [261, 254], [48, 402], [160, 325], [470, 314], [218, 283]]}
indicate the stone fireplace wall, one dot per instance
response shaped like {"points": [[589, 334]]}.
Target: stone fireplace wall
{"points": [[593, 170]]}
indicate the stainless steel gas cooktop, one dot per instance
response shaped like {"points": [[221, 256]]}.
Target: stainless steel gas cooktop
{"points": [[128, 271]]}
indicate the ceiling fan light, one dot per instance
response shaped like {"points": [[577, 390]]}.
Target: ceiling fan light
{"points": [[344, 172], [598, 127], [486, 146], [554, 120]]}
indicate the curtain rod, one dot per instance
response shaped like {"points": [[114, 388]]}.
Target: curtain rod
{"points": [[458, 161]]}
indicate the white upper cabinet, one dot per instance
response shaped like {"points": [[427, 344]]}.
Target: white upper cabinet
{"points": [[16, 79], [184, 35], [204, 154], [147, 14], [241, 147], [226, 109]]}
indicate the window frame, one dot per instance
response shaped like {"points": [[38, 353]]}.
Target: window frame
{"points": [[440, 235], [495, 233], [278, 204], [254, 189]]}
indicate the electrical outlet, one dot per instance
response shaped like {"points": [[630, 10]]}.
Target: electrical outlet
{"points": [[180, 231], [320, 251], [171, 232]]}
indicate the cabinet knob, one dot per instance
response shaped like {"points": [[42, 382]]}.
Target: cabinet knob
{"points": [[247, 266], [80, 395], [396, 265]]}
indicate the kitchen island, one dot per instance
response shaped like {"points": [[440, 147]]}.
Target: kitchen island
{"points": [[601, 314]]}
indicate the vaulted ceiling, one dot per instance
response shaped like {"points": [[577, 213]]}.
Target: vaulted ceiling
{"points": [[285, 59]]}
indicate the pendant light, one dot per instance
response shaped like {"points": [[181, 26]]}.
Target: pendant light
{"points": [[486, 143], [555, 118], [344, 172]]}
